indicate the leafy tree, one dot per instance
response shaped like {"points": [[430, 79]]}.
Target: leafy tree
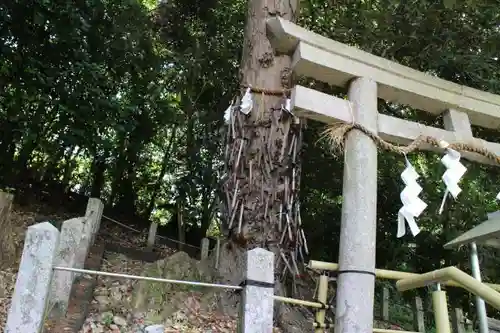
{"points": [[125, 101]]}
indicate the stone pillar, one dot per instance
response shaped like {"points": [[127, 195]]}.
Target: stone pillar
{"points": [[95, 208], [27, 308], [205, 242], [217, 253], [62, 281], [385, 304], [418, 314], [91, 226], [155, 329], [457, 321], [257, 301], [152, 235], [356, 277], [459, 123]]}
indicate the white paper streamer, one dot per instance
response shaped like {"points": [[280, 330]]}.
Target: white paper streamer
{"points": [[413, 206], [246, 102], [287, 107], [451, 177], [498, 196], [228, 113]]}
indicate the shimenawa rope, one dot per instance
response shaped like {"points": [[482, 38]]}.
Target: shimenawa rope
{"points": [[337, 132]]}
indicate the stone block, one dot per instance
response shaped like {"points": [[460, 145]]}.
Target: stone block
{"points": [[155, 329], [258, 293], [91, 226], [204, 248], [33, 282], [95, 208], [66, 256]]}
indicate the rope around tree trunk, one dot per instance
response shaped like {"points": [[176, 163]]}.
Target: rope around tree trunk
{"points": [[337, 132]]}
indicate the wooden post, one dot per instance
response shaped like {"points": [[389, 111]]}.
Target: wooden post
{"points": [[457, 321], [418, 315], [385, 304], [152, 235]]}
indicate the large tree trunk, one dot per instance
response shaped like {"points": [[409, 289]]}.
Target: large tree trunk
{"points": [[263, 171]]}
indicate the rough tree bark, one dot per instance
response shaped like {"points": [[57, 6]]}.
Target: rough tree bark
{"points": [[262, 162]]}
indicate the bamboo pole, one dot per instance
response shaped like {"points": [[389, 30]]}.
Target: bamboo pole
{"points": [[440, 306], [299, 302], [375, 330], [322, 298], [467, 282], [382, 330], [388, 274]]}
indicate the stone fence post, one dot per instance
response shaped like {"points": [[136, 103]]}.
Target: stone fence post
{"points": [[418, 315], [27, 310], [258, 292], [204, 245], [94, 210], [91, 226], [62, 281], [458, 321], [217, 253], [153, 227], [385, 304]]}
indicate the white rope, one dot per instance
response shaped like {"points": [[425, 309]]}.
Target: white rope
{"points": [[146, 278]]}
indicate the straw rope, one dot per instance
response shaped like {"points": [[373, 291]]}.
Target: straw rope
{"points": [[336, 133], [276, 92]]}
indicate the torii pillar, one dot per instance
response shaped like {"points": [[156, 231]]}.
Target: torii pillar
{"points": [[356, 275]]}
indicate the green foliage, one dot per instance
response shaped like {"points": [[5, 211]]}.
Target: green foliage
{"points": [[124, 100], [105, 99]]}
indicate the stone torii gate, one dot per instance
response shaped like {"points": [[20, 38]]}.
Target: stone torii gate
{"points": [[368, 78]]}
